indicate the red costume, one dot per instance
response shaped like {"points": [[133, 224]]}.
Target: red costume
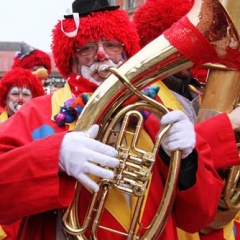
{"points": [[22, 78], [41, 190], [160, 16], [34, 146]]}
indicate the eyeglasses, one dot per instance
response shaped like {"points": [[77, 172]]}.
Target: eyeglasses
{"points": [[110, 47]]}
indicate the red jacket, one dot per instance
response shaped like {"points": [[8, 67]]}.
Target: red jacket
{"points": [[32, 188]]}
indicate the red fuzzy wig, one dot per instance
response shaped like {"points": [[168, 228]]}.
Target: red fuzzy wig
{"points": [[34, 58], [156, 16], [19, 77], [110, 24], [200, 73]]}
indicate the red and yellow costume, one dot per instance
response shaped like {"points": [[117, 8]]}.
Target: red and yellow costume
{"points": [[41, 189], [3, 116]]}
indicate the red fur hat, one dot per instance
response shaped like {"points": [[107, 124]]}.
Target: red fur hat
{"points": [[28, 57], [156, 16], [160, 15], [110, 23], [20, 77]]}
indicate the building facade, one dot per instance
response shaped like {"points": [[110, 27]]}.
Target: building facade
{"points": [[129, 5], [9, 49]]}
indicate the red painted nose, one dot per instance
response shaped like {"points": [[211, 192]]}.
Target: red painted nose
{"points": [[101, 55], [20, 101]]}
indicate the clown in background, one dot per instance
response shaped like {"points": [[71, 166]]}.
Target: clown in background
{"points": [[160, 15], [17, 87]]}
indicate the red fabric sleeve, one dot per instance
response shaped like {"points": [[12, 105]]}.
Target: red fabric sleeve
{"points": [[217, 131], [29, 179], [202, 198], [11, 230], [193, 208]]}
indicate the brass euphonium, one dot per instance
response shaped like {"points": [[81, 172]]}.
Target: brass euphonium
{"points": [[159, 59], [221, 94]]}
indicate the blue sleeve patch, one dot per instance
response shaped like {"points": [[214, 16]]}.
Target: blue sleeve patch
{"points": [[42, 132], [234, 230]]}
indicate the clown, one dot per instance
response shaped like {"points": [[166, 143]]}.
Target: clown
{"points": [[17, 87], [31, 58], [81, 53], [161, 15], [91, 38]]}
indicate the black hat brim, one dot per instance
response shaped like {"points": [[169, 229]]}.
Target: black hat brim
{"points": [[82, 14]]}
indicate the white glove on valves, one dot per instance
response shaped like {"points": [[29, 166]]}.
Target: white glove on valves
{"points": [[79, 155], [180, 136]]}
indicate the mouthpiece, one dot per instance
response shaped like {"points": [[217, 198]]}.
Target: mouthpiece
{"points": [[103, 71]]}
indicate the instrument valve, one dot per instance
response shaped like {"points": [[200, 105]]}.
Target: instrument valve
{"points": [[143, 175], [123, 154], [139, 190], [148, 158], [118, 177]]}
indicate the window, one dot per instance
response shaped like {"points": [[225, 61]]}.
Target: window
{"points": [[130, 4], [112, 2]]}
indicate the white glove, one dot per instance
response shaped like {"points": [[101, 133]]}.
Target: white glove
{"points": [[180, 136], [79, 155]]}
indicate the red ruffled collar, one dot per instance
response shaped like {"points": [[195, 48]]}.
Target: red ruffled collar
{"points": [[80, 84]]}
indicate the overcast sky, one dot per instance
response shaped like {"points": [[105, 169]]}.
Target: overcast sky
{"points": [[31, 21]]}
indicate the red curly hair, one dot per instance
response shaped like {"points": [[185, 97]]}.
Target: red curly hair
{"points": [[19, 77], [110, 24], [35, 58], [156, 16]]}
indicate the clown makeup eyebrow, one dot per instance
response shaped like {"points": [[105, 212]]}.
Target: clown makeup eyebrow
{"points": [[14, 90], [26, 91], [18, 90]]}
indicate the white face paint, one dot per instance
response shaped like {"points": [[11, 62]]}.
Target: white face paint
{"points": [[93, 59], [94, 74], [16, 97]]}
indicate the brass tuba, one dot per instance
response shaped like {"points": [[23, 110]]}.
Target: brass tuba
{"points": [[158, 59], [221, 94]]}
